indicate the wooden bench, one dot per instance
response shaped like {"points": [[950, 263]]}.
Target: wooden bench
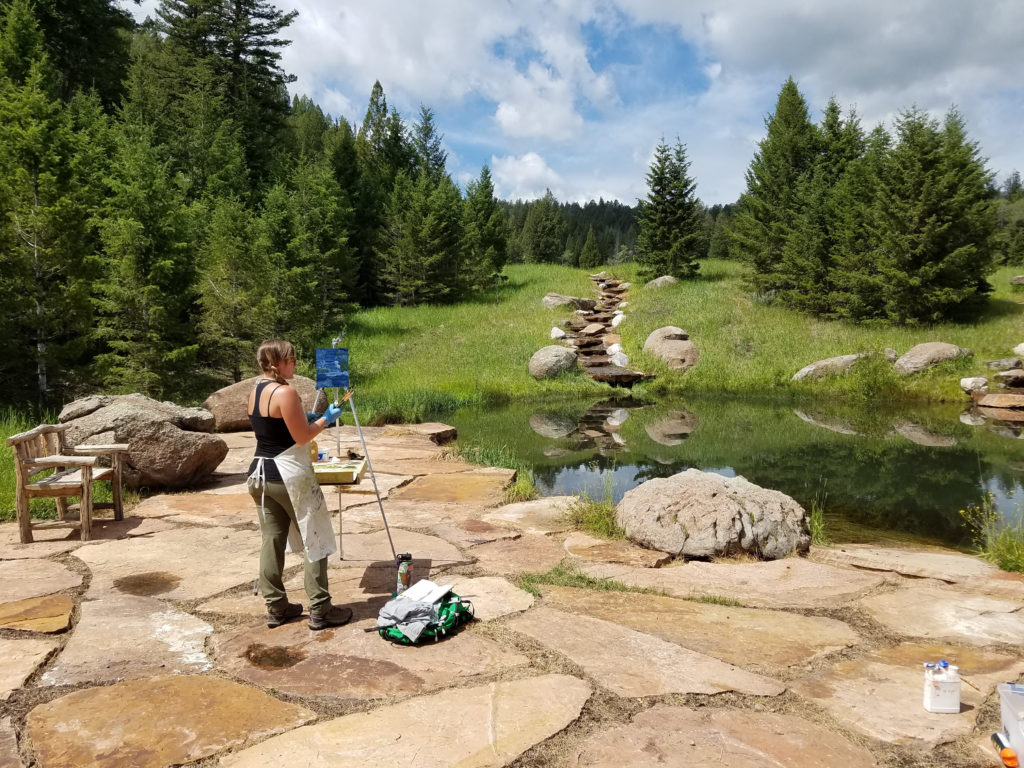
{"points": [[44, 448]]}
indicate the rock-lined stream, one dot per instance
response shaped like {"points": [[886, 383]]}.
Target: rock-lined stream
{"points": [[875, 469]]}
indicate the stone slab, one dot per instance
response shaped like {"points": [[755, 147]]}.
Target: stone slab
{"points": [[481, 485], [109, 530], [940, 564], [428, 551], [948, 614], [633, 664], [152, 723], [361, 588], [121, 637], [51, 613], [493, 724], [1001, 401], [350, 664], [229, 507], [880, 694], [547, 515], [675, 737], [410, 514], [791, 582], [9, 757], [468, 533], [45, 542], [385, 484], [527, 554], [590, 548], [492, 596], [23, 579], [753, 638], [178, 564], [21, 658], [437, 433]]}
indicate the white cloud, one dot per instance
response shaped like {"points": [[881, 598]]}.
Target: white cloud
{"points": [[526, 177]]}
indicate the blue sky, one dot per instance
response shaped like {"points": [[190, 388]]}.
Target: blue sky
{"points": [[573, 95]]}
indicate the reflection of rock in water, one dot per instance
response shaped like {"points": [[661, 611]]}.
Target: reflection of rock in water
{"points": [[554, 452], [835, 426], [1005, 430], [616, 418], [915, 433], [972, 418], [552, 425], [672, 429]]}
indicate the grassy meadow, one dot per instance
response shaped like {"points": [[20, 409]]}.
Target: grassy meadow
{"points": [[408, 364]]}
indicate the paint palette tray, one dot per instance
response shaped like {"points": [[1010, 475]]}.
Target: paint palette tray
{"points": [[339, 472]]}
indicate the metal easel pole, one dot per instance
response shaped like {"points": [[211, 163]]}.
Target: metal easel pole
{"points": [[373, 477]]}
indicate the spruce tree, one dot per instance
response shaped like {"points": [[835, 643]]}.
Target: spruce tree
{"points": [[935, 222], [590, 257], [543, 236], [767, 210], [670, 218], [486, 234]]}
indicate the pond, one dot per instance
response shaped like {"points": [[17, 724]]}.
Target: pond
{"points": [[875, 471]]}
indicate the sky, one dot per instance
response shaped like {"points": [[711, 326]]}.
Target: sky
{"points": [[574, 95]]}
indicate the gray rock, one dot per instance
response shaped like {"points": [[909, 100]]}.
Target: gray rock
{"points": [[974, 384], [672, 345], [927, 355], [82, 407], [1019, 350], [1017, 280], [701, 514], [617, 320], [553, 300], [661, 282], [552, 425], [890, 354], [1012, 378], [1004, 364], [169, 446], [557, 333], [620, 359], [229, 405], [832, 366], [550, 361]]}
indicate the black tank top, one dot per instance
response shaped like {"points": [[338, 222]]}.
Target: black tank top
{"points": [[272, 437]]}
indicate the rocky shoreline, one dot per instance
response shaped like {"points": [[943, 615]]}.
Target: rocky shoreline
{"points": [[149, 642]]}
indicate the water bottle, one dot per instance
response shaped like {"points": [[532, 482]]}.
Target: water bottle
{"points": [[404, 564]]}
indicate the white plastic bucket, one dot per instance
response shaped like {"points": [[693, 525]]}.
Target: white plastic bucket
{"points": [[942, 690]]}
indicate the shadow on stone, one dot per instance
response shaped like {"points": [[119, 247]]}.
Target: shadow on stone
{"points": [[273, 656], [147, 584]]}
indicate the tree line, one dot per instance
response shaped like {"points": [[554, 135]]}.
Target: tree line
{"points": [[847, 224]]}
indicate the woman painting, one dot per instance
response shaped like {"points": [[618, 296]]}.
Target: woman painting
{"points": [[291, 506]]}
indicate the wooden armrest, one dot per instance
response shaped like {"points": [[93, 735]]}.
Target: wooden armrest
{"points": [[62, 461], [100, 450]]}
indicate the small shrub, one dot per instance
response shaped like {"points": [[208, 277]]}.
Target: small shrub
{"points": [[996, 539], [569, 575]]}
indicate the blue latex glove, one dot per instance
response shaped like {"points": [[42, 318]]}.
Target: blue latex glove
{"points": [[311, 417], [331, 414]]}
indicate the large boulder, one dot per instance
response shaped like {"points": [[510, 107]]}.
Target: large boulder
{"points": [[168, 445], [550, 361], [832, 366], [701, 514], [553, 300], [927, 355], [672, 345], [230, 405], [660, 282]]}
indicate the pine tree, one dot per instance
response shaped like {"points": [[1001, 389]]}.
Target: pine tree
{"points": [[430, 158], [543, 236], [237, 281], [590, 257], [670, 218], [935, 222], [147, 295], [486, 234], [50, 159], [21, 43], [768, 208]]}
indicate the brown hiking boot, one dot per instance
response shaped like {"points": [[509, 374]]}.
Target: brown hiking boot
{"points": [[329, 616], [282, 612]]}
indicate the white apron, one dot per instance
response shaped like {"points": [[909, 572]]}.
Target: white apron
{"points": [[314, 533]]}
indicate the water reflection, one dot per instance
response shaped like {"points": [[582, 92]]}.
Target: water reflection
{"points": [[906, 470]]}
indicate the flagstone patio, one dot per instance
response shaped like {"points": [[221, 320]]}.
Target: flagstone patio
{"points": [[146, 647]]}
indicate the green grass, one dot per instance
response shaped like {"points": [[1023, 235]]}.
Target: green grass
{"points": [[415, 363], [749, 348], [596, 516], [569, 575], [816, 519], [997, 540]]}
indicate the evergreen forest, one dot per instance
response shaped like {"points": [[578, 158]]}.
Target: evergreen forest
{"points": [[165, 205]]}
